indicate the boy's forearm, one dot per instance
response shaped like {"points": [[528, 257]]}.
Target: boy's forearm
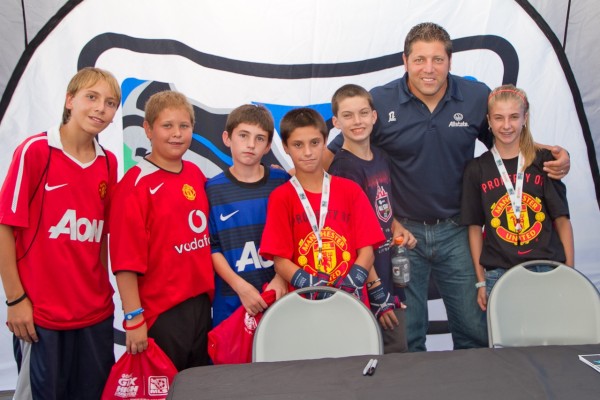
{"points": [[373, 278], [365, 257], [127, 282], [9, 273], [285, 268], [224, 270], [476, 246]]}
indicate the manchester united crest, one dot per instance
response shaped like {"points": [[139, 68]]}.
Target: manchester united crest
{"points": [[102, 188], [334, 251], [189, 192], [529, 229]]}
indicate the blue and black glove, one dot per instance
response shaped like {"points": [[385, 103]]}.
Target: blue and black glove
{"points": [[302, 279], [382, 301], [354, 281]]}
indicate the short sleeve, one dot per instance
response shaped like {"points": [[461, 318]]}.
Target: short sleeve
{"points": [[277, 238], [471, 212], [128, 235]]}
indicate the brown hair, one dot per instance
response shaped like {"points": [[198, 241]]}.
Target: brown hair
{"points": [[510, 92], [166, 99], [253, 115], [347, 91], [300, 118], [88, 77], [427, 32]]}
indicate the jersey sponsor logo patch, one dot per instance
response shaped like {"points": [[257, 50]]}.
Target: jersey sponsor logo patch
{"points": [[78, 229], [251, 257], [198, 223], [194, 217], [196, 244], [51, 188], [155, 189], [226, 217]]}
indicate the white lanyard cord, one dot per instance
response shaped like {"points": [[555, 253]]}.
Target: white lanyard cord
{"points": [[312, 219], [515, 193]]}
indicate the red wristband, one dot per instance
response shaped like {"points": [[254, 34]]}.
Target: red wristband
{"points": [[130, 328]]}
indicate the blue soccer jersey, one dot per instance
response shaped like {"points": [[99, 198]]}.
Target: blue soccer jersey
{"points": [[236, 221]]}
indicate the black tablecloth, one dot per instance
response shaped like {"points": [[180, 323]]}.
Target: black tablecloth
{"points": [[550, 372]]}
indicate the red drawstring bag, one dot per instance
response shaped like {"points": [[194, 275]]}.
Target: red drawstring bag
{"points": [[231, 341], [145, 375]]}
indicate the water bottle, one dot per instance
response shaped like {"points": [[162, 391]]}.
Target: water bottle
{"points": [[400, 263]]}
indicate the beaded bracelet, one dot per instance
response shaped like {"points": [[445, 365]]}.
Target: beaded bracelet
{"points": [[17, 301], [131, 328]]}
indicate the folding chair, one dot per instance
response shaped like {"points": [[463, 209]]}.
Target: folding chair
{"points": [[298, 328], [557, 307]]}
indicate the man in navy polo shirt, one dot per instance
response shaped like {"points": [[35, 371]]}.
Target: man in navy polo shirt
{"points": [[428, 122]]}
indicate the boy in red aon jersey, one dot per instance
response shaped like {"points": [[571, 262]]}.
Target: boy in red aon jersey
{"points": [[159, 246], [53, 207]]}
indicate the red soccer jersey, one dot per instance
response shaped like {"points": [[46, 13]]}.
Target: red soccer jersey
{"points": [[58, 208], [159, 230], [350, 225]]}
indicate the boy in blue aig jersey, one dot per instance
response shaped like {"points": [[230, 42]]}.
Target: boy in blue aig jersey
{"points": [[238, 205]]}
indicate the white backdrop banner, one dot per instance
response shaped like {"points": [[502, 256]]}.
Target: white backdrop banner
{"points": [[286, 54]]}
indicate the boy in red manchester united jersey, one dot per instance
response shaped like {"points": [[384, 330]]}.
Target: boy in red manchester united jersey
{"points": [[53, 208], [159, 243], [320, 229]]}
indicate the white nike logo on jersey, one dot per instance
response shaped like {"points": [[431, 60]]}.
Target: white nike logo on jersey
{"points": [[226, 217], [153, 191], [50, 188]]}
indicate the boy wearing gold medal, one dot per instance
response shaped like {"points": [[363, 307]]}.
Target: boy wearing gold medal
{"points": [[320, 229]]}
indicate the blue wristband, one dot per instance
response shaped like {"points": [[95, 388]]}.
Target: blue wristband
{"points": [[129, 316]]}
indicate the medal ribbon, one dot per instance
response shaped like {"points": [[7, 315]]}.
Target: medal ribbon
{"points": [[312, 219], [514, 193]]}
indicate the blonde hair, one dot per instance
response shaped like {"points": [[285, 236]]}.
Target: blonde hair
{"points": [[88, 77], [166, 99], [510, 92]]}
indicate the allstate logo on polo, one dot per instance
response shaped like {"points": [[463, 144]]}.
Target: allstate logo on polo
{"points": [[197, 222], [458, 121], [79, 229]]}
